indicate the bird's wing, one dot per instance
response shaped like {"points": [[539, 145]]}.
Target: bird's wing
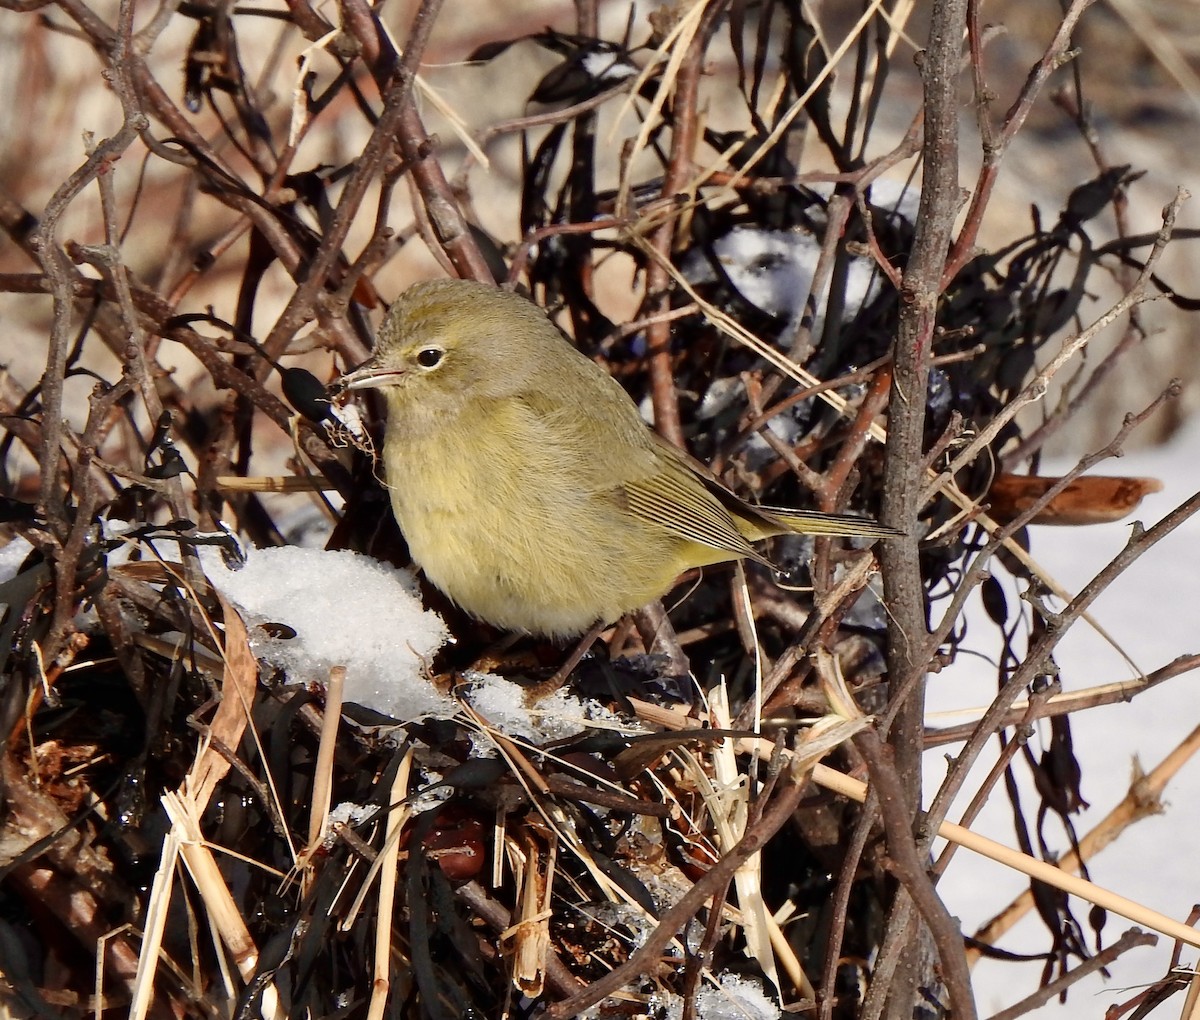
{"points": [[756, 523], [674, 496]]}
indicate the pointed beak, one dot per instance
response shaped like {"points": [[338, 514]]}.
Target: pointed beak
{"points": [[370, 376]]}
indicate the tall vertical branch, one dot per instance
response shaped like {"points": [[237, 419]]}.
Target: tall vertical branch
{"points": [[906, 422], [907, 625]]}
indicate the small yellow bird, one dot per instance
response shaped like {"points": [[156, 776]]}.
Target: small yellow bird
{"points": [[528, 487]]}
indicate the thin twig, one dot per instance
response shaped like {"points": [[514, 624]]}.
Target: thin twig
{"points": [[1132, 939]]}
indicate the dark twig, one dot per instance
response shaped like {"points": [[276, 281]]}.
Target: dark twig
{"points": [[1132, 939], [897, 812], [839, 903]]}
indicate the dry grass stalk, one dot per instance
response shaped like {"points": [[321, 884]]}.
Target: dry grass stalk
{"points": [[530, 935], [388, 862]]}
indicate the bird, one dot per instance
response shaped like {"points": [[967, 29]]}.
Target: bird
{"points": [[525, 482]]}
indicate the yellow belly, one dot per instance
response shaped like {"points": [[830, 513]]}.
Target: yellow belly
{"points": [[534, 546]]}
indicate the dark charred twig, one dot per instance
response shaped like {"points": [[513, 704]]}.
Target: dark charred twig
{"points": [[1132, 939], [1036, 389], [1036, 441], [1143, 799]]}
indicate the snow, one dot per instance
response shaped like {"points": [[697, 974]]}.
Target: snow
{"points": [[773, 269], [734, 998], [350, 610], [346, 609], [502, 703], [608, 67], [1151, 611], [12, 555]]}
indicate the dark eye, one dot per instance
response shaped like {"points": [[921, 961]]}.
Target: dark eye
{"points": [[430, 357]]}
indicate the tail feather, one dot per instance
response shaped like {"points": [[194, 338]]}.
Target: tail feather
{"points": [[813, 522]]}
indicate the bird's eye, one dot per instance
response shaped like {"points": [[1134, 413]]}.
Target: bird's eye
{"points": [[430, 357]]}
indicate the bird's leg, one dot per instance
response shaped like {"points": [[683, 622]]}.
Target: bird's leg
{"points": [[493, 655], [548, 686]]}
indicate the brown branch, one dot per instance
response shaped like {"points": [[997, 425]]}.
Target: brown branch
{"points": [[397, 97], [1055, 55], [897, 809], [684, 114], [415, 145], [922, 286], [903, 587]]}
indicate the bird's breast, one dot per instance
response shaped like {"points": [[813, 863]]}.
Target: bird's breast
{"points": [[511, 524]]}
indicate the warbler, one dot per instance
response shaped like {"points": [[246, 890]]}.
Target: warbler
{"points": [[525, 482]]}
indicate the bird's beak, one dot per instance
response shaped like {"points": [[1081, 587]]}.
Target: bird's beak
{"points": [[370, 376]]}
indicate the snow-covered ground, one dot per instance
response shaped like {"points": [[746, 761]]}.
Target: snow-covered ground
{"points": [[1153, 611]]}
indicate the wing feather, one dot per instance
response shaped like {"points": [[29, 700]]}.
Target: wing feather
{"points": [[679, 502]]}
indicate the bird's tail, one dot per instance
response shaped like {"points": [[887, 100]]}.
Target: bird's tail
{"points": [[813, 522]]}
